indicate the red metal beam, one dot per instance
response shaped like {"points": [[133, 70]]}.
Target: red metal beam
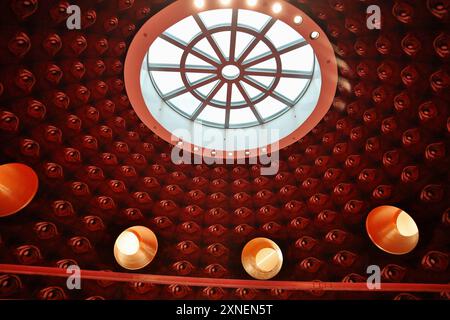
{"points": [[225, 283]]}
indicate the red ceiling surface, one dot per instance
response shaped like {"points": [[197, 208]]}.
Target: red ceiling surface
{"points": [[64, 112]]}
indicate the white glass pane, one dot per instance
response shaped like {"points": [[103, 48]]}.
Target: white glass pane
{"points": [[301, 59], [252, 19], [186, 103], [194, 77], [269, 107], [194, 61], [167, 81], [205, 47], [236, 95], [217, 17], [221, 95], [268, 64], [291, 87], [163, 52], [214, 115], [282, 34], [241, 116], [184, 30], [252, 92], [206, 89], [266, 81], [260, 49], [223, 41], [242, 42]]}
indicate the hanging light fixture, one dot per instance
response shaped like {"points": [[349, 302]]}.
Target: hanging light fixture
{"points": [[18, 186], [135, 248], [392, 230], [262, 258]]}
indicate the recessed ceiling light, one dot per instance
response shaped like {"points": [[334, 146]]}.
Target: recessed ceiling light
{"points": [[315, 35], [199, 3], [225, 2], [252, 3], [298, 20], [276, 8]]}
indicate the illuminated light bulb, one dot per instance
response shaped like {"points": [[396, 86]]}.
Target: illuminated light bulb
{"points": [[266, 259], [230, 154], [213, 153], [247, 153], [225, 2], [195, 149], [277, 7], [199, 3], [298, 20], [252, 3], [128, 243]]}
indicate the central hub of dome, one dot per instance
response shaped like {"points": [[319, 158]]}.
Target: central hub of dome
{"points": [[231, 72]]}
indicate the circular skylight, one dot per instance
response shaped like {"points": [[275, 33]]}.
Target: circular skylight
{"points": [[231, 68]]}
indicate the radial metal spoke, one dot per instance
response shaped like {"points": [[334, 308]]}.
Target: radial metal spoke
{"points": [[275, 73], [228, 105], [183, 46], [210, 39], [274, 95], [267, 56], [255, 41], [234, 22], [249, 102], [178, 68], [193, 86], [207, 100]]}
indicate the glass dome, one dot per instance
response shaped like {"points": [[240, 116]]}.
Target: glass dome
{"points": [[231, 68]]}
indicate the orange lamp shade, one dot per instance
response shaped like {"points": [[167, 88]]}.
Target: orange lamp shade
{"points": [[262, 258], [18, 186], [135, 248], [392, 230]]}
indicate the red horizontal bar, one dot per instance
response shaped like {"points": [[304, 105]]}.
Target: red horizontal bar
{"points": [[224, 283]]}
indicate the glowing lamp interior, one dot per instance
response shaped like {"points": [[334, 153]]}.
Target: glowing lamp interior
{"points": [[267, 259], [406, 225], [128, 243]]}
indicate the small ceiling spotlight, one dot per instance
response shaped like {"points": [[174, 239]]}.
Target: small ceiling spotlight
{"points": [[213, 153], [225, 2], [252, 3], [277, 7], [298, 19], [199, 3], [247, 153], [314, 35]]}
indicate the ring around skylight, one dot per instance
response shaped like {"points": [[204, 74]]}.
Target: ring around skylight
{"points": [[235, 71]]}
